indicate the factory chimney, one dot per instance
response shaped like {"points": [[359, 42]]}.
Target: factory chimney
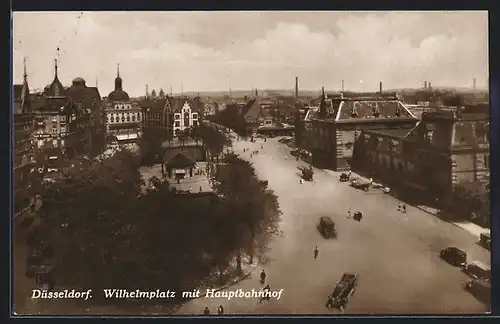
{"points": [[425, 85], [147, 91], [296, 87], [342, 88], [380, 87], [474, 83]]}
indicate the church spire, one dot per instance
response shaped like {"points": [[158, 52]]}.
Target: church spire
{"points": [[25, 75], [55, 68], [117, 70]]}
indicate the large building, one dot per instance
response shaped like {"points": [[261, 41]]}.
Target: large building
{"points": [[62, 127], [89, 99], [123, 116], [172, 114], [330, 132], [23, 159], [445, 149]]}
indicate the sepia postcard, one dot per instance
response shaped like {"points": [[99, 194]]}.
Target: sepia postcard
{"points": [[251, 163]]}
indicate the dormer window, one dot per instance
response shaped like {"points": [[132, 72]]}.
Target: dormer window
{"points": [[354, 111], [376, 111], [398, 110]]}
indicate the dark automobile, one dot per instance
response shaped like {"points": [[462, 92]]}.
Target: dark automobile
{"points": [[478, 270], [481, 289], [344, 177], [360, 185], [454, 256], [326, 227], [357, 216], [344, 290]]}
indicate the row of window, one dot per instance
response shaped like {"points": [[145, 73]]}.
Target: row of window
{"points": [[178, 123], [112, 119], [123, 107], [186, 115]]}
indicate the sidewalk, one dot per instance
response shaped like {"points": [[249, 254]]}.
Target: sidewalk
{"points": [[472, 228]]}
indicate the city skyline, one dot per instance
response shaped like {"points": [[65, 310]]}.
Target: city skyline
{"points": [[215, 51]]}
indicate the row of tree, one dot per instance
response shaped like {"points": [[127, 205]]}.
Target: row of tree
{"points": [[471, 201], [231, 118], [106, 232]]}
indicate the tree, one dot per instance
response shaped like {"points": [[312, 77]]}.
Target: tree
{"points": [[151, 144], [254, 208]]}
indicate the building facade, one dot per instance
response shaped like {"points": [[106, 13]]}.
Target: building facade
{"points": [[448, 148], [185, 116], [62, 128], [89, 99], [123, 116], [23, 159], [330, 133]]}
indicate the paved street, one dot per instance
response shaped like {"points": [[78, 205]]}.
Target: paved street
{"points": [[396, 255]]}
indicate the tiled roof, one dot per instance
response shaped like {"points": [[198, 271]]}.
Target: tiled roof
{"points": [[88, 97], [252, 109], [55, 88], [174, 155], [366, 109]]}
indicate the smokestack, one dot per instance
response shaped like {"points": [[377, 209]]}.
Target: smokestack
{"points": [[342, 86], [425, 85], [147, 91], [474, 83], [296, 87], [170, 91], [429, 85], [380, 86], [182, 89]]}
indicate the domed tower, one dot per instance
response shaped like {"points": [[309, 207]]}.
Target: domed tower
{"points": [[153, 93], [118, 94], [79, 82]]}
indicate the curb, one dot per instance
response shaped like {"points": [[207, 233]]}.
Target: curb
{"points": [[245, 275]]}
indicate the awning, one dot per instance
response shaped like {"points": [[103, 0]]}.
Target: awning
{"points": [[122, 137], [179, 171]]}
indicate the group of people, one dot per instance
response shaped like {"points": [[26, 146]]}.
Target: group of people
{"points": [[402, 207]]}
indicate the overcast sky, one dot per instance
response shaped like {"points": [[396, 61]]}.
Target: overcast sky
{"points": [[243, 50]]}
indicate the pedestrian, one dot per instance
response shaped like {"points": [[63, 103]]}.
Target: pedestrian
{"points": [[316, 252], [301, 181], [262, 277], [262, 146], [286, 157], [206, 311], [399, 207], [190, 189], [329, 302], [220, 310], [178, 181], [349, 213], [200, 189], [404, 208]]}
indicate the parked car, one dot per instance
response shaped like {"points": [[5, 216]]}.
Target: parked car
{"points": [[478, 270], [454, 256], [326, 227], [481, 289], [344, 177], [485, 240], [344, 289], [360, 185]]}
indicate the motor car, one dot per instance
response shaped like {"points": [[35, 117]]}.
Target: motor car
{"points": [[481, 289], [344, 177], [454, 256], [344, 289], [357, 216], [478, 270], [326, 226], [355, 183]]}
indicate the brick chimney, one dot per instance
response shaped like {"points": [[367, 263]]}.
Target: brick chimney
{"points": [[425, 85], [342, 88], [380, 86], [296, 87]]}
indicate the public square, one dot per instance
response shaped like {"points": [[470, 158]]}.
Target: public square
{"points": [[396, 255]]}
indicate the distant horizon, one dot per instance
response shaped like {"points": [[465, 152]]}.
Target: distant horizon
{"points": [[213, 50]]}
